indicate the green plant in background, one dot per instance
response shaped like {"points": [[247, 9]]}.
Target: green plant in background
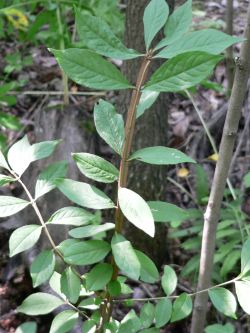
{"points": [[93, 295]]}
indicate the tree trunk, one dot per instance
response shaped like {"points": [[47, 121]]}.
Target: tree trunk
{"points": [[151, 130]]}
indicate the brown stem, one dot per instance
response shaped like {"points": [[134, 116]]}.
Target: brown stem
{"points": [[106, 309], [212, 214], [229, 51]]}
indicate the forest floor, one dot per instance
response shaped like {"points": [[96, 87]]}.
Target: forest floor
{"points": [[42, 74]]}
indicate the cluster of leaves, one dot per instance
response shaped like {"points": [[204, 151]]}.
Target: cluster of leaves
{"points": [[192, 57]]}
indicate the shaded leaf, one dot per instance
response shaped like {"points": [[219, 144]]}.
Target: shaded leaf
{"points": [[91, 230], [95, 167], [169, 280], [99, 277], [84, 194], [70, 285], [42, 267], [64, 322], [91, 70], [28, 327], [223, 300], [166, 212], [147, 315], [163, 312], [148, 272], [182, 307]]}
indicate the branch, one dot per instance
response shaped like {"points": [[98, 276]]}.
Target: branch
{"points": [[212, 214]]}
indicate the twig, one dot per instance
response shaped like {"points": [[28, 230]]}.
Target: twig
{"points": [[56, 93], [212, 214]]}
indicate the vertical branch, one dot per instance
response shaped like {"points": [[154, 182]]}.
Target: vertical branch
{"points": [[62, 47], [212, 214], [106, 309], [229, 51]]}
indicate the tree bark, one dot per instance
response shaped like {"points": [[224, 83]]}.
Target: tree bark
{"points": [[212, 214], [229, 52], [151, 130]]}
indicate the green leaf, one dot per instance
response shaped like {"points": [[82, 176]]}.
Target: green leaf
{"points": [[42, 267], [229, 263], [55, 284], [136, 210], [97, 36], [114, 288], [18, 155], [45, 181], [28, 327], [91, 230], [91, 70], [86, 253], [223, 300], [64, 245], [99, 277], [245, 258], [150, 330], [217, 328], [148, 272], [246, 179], [71, 216], [3, 162], [155, 16], [89, 326], [146, 101], [125, 257], [21, 154], [182, 72], [166, 212], [10, 121], [39, 304], [161, 156], [109, 125], [70, 285], [130, 323], [91, 303], [24, 238], [208, 40], [95, 167], [169, 280], [64, 322], [242, 291], [11, 205], [201, 183], [147, 314], [6, 180], [163, 312], [182, 307], [177, 24], [84, 194]]}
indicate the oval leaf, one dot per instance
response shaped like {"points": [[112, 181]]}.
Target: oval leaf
{"points": [[45, 181], [95, 167], [42, 267], [91, 70], [147, 315], [208, 40], [136, 210], [166, 212], [245, 258], [71, 216], [217, 328], [64, 322], [161, 156], [148, 272], [163, 312], [70, 285], [24, 238], [169, 280], [39, 304], [86, 253], [91, 230], [182, 307], [223, 300], [242, 292], [11, 205], [98, 36], [155, 16], [125, 257], [84, 194], [109, 125], [99, 277], [182, 72], [28, 327]]}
